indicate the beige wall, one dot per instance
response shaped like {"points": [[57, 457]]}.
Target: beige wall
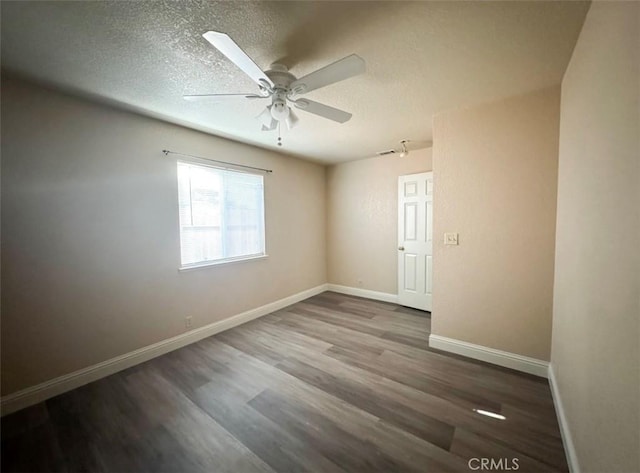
{"points": [[90, 245], [596, 331], [495, 175], [362, 219]]}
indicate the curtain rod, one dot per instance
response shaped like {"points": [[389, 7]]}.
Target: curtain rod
{"points": [[167, 152]]}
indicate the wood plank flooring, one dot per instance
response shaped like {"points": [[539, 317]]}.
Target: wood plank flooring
{"points": [[332, 384]]}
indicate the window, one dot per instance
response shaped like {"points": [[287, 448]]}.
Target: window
{"points": [[221, 215]]}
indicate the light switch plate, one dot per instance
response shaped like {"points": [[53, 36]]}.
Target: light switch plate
{"points": [[450, 238]]}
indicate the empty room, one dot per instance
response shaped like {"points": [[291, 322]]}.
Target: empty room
{"points": [[320, 236]]}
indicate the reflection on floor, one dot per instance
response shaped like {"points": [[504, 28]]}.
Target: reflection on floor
{"points": [[332, 384]]}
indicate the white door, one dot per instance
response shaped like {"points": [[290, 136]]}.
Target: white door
{"points": [[415, 240]]}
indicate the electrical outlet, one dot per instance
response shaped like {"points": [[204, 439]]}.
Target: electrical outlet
{"points": [[450, 238], [187, 321]]}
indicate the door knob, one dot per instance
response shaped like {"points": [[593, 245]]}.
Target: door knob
{"points": [[401, 248]]}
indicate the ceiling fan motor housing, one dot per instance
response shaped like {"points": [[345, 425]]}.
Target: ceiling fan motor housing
{"points": [[280, 76]]}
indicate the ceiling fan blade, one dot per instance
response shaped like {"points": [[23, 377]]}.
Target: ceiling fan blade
{"points": [[220, 97], [340, 70], [322, 110], [236, 55]]}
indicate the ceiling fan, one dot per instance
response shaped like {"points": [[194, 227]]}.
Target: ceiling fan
{"points": [[282, 87]]}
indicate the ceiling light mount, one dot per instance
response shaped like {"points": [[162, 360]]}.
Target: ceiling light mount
{"points": [[404, 151]]}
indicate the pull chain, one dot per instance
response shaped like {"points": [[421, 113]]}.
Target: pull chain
{"points": [[279, 137]]}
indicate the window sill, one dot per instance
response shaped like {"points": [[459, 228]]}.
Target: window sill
{"points": [[208, 264]]}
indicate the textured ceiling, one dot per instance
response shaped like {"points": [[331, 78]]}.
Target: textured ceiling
{"points": [[422, 58]]}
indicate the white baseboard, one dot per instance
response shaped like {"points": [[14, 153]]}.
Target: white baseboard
{"points": [[567, 439], [40, 392], [490, 355], [356, 291]]}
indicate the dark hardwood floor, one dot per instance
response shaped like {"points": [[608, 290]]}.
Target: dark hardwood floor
{"points": [[332, 384]]}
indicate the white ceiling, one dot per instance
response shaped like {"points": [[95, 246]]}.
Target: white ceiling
{"points": [[422, 58]]}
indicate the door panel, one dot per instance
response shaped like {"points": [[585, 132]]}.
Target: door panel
{"points": [[410, 272], [429, 222], [410, 221], [429, 273], [415, 240], [411, 189]]}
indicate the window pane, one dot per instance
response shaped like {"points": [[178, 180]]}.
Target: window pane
{"points": [[206, 192], [221, 213], [243, 214], [184, 200]]}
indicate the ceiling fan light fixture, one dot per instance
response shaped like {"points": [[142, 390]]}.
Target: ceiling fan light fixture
{"points": [[291, 120], [280, 110], [271, 126], [265, 117]]}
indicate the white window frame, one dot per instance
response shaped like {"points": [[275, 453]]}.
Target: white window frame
{"points": [[220, 261]]}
